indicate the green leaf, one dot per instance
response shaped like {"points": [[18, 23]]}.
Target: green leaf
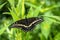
{"points": [[53, 18], [49, 8], [12, 3], [30, 4], [20, 8], [14, 16], [46, 25], [5, 25], [18, 11], [2, 5], [30, 13], [57, 37], [6, 13]]}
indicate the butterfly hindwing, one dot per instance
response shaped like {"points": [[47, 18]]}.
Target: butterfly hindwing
{"points": [[27, 24]]}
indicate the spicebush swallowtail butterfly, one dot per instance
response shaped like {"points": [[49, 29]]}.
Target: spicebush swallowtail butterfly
{"points": [[27, 24]]}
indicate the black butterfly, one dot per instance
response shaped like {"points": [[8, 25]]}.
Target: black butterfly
{"points": [[27, 24]]}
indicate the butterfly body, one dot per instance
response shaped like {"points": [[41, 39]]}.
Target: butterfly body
{"points": [[27, 24]]}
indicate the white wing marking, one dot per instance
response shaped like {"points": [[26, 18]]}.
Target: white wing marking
{"points": [[25, 25]]}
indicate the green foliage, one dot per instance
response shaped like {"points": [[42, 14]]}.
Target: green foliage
{"points": [[49, 29], [2, 5]]}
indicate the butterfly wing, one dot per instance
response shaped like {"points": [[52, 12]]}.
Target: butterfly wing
{"points": [[27, 24]]}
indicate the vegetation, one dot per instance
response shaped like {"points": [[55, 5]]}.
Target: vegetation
{"points": [[13, 10]]}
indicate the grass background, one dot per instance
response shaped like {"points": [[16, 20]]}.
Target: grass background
{"points": [[13, 10]]}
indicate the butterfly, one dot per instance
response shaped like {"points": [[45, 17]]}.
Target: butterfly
{"points": [[27, 24]]}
